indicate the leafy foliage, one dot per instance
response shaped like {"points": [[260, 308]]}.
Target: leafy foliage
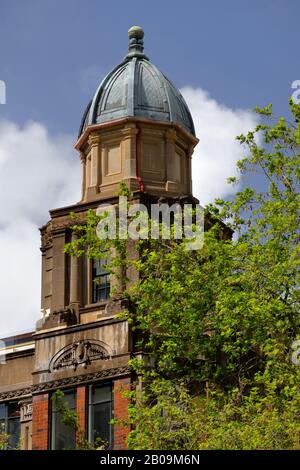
{"points": [[4, 440], [216, 325]]}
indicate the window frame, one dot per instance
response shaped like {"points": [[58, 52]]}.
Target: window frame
{"points": [[90, 407], [97, 287], [53, 417], [7, 419]]}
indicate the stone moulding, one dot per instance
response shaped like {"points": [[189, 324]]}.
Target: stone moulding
{"points": [[22, 392], [66, 382]]}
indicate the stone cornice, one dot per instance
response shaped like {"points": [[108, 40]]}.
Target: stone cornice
{"points": [[22, 392], [75, 328], [81, 379], [66, 382], [117, 122], [85, 205]]}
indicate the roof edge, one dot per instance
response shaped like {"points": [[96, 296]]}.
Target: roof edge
{"points": [[116, 122]]}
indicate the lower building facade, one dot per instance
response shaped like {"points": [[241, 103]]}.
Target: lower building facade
{"points": [[88, 364]]}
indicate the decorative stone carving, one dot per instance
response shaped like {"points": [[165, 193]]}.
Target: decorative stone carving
{"points": [[82, 379], [22, 392], [69, 315], [115, 306], [80, 353], [25, 410]]}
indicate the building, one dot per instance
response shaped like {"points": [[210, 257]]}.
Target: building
{"points": [[136, 129]]}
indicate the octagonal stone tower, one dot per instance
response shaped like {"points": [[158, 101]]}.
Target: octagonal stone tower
{"points": [[138, 129]]}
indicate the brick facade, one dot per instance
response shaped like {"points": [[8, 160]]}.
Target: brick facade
{"points": [[81, 407], [41, 419], [40, 422], [120, 412]]}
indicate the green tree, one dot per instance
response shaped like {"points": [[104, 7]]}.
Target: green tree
{"points": [[217, 324], [4, 441]]}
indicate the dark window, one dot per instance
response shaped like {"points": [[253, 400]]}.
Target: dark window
{"points": [[10, 423], [100, 278], [63, 436], [2, 418], [100, 414]]}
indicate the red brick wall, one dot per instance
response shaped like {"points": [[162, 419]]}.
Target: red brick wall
{"points": [[40, 421], [40, 415], [120, 412], [81, 406]]}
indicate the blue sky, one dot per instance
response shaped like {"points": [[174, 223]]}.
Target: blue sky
{"points": [[225, 56], [54, 52]]}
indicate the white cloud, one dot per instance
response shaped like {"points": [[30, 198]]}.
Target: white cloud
{"points": [[37, 172], [216, 154]]}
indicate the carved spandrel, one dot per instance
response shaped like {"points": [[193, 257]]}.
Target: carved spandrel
{"points": [[81, 353]]}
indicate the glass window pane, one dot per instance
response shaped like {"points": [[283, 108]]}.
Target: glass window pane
{"points": [[101, 416], [13, 430], [62, 435], [101, 291], [2, 426], [102, 281], [70, 399], [101, 393], [100, 413], [2, 411], [100, 278], [13, 410], [10, 422], [99, 267]]}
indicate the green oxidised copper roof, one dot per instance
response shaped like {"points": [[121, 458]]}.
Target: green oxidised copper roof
{"points": [[137, 88]]}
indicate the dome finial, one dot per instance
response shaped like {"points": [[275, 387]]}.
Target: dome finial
{"points": [[136, 43]]}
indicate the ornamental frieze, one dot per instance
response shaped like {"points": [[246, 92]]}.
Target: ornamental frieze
{"points": [[66, 382]]}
